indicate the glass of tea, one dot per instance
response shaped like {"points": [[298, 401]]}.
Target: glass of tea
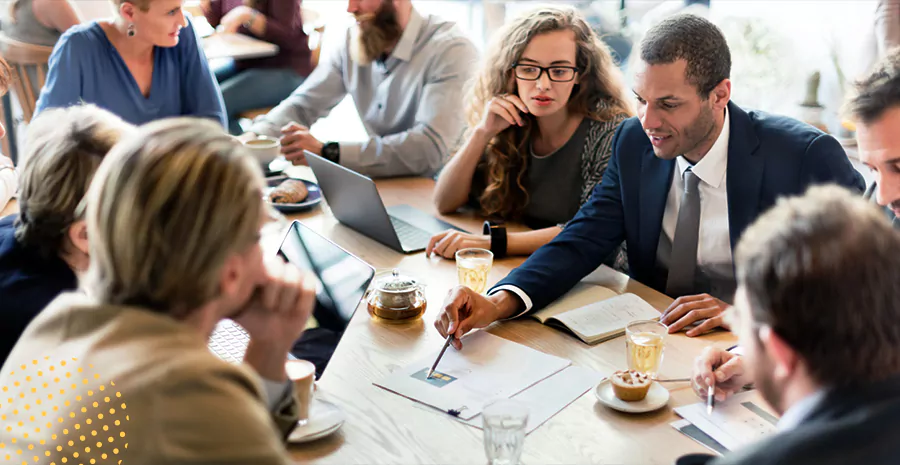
{"points": [[644, 345], [473, 266]]}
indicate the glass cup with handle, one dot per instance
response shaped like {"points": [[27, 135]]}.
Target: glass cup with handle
{"points": [[644, 343], [505, 423], [473, 266]]}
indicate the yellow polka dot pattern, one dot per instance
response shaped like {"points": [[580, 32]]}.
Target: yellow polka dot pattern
{"points": [[41, 424]]}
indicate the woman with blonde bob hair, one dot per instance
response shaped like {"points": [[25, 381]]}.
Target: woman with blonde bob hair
{"points": [[143, 64], [44, 248], [542, 113], [174, 217]]}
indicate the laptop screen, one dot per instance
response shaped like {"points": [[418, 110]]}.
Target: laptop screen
{"points": [[342, 282]]}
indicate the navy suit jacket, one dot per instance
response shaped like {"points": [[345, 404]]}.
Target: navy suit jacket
{"points": [[856, 425], [768, 157]]}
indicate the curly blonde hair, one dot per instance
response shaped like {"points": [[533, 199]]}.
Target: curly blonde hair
{"points": [[599, 95]]}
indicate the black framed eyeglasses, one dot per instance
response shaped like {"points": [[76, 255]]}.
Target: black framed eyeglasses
{"points": [[529, 72]]}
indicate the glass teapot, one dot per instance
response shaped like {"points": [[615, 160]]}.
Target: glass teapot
{"points": [[395, 298]]}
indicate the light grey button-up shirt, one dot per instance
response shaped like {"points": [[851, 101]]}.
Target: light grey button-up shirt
{"points": [[410, 104]]}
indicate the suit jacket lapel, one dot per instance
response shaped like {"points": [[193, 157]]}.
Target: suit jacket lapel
{"points": [[656, 179], [744, 173]]}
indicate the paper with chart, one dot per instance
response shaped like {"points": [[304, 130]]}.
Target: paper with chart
{"points": [[488, 367], [550, 396], [742, 419]]}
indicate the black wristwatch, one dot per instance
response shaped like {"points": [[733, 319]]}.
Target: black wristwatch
{"points": [[331, 151], [498, 238]]}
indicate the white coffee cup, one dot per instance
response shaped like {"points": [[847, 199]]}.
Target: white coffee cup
{"points": [[303, 374], [264, 148]]}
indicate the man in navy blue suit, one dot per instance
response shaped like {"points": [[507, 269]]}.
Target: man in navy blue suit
{"points": [[687, 176]]}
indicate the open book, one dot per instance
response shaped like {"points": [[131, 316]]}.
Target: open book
{"points": [[594, 313]]}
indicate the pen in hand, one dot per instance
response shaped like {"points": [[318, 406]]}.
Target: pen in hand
{"points": [[710, 397], [440, 355]]}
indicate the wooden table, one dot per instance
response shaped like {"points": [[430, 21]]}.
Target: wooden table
{"points": [[383, 427], [236, 46]]}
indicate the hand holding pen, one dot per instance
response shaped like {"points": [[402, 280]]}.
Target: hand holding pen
{"points": [[717, 375]]}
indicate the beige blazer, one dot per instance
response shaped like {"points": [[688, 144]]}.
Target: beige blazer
{"points": [[110, 383]]}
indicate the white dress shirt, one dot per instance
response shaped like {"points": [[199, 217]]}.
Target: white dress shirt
{"points": [[408, 103], [714, 244]]}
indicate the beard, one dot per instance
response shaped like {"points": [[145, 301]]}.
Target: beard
{"points": [[692, 136], [376, 33]]}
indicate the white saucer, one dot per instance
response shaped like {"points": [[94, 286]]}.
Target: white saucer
{"points": [[657, 398], [324, 418]]}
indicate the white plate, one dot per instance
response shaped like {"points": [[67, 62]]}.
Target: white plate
{"points": [[324, 418], [657, 398]]}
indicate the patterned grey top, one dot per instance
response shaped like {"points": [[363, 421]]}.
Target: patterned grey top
{"points": [[594, 157]]}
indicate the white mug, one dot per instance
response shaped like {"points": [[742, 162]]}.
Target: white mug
{"points": [[264, 148], [303, 374]]}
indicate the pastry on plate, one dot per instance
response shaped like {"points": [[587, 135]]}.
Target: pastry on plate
{"points": [[630, 385], [289, 191]]}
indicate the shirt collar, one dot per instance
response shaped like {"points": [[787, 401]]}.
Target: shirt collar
{"points": [[404, 48], [800, 411], [711, 169]]}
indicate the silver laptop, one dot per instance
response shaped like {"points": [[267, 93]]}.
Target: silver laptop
{"points": [[343, 280], [354, 200]]}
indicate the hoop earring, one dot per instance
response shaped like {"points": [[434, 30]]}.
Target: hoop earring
{"points": [[131, 30]]}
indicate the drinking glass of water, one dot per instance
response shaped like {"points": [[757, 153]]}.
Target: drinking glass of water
{"points": [[644, 342], [473, 266], [504, 431]]}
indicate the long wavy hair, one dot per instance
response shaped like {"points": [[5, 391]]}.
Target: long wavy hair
{"points": [[600, 95]]}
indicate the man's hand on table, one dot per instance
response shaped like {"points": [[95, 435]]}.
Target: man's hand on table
{"points": [[703, 309], [465, 310], [295, 139]]}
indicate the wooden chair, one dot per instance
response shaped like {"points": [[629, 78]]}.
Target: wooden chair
{"points": [[26, 59]]}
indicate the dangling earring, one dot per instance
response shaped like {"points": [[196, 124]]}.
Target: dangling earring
{"points": [[130, 30]]}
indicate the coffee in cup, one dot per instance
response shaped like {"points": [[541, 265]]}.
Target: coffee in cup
{"points": [[265, 149], [303, 375]]}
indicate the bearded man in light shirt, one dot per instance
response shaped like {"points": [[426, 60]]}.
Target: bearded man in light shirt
{"points": [[405, 72]]}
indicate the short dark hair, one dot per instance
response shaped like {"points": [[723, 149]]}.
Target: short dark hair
{"points": [[822, 270], [878, 91], [696, 40]]}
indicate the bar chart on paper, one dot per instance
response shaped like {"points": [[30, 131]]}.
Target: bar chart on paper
{"points": [[488, 367]]}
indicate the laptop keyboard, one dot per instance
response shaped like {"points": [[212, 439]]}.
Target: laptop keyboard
{"points": [[229, 341], [410, 236]]}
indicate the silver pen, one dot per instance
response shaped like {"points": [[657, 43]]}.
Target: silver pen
{"points": [[710, 399]]}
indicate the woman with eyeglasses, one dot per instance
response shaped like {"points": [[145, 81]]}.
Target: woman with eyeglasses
{"points": [[542, 113]]}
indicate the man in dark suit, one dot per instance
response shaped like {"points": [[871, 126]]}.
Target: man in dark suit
{"points": [[686, 177], [836, 385], [876, 110]]}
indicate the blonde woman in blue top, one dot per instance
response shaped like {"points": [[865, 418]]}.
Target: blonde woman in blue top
{"points": [[143, 64]]}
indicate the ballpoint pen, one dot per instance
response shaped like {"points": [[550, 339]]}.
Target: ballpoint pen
{"points": [[710, 399], [433, 367]]}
